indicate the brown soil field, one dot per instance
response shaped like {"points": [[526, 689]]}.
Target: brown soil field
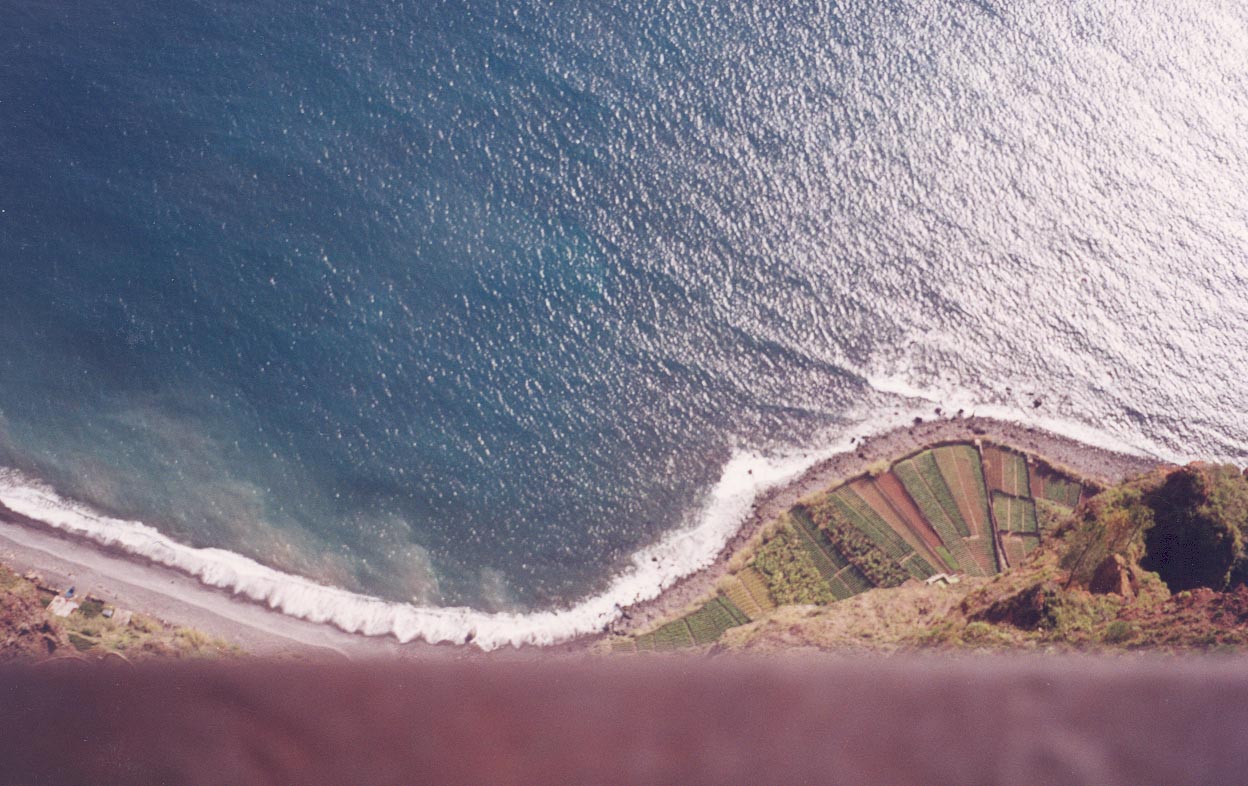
{"points": [[873, 496], [895, 494]]}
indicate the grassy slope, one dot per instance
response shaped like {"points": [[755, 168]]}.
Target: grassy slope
{"points": [[940, 618], [1042, 603], [29, 632]]}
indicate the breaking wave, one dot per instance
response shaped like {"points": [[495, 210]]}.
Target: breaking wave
{"points": [[652, 569]]}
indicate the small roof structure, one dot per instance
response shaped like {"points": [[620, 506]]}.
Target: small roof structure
{"points": [[62, 606], [943, 578]]}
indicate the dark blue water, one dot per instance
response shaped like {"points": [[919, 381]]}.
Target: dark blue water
{"points": [[467, 302]]}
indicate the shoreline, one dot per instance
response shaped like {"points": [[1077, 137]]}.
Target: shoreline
{"points": [[179, 598], [1089, 461]]}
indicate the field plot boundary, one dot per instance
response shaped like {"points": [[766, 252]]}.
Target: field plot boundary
{"points": [[968, 494], [938, 517], [1019, 513], [1006, 469], [895, 496]]}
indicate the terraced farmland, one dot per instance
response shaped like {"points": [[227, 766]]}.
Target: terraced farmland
{"points": [[1006, 470], [940, 510], [1017, 547], [1014, 514], [753, 604], [959, 466], [908, 526], [1048, 485], [709, 622], [923, 481]]}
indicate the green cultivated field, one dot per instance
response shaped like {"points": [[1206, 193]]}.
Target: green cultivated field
{"points": [[1013, 513], [837, 545], [756, 585], [1014, 474], [960, 467], [920, 490], [1063, 492], [740, 596], [857, 512]]}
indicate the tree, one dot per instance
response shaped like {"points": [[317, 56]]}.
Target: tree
{"points": [[1200, 517]]}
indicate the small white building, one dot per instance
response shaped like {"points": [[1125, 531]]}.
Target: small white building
{"points": [[62, 606]]}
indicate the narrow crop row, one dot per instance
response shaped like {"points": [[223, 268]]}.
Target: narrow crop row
{"points": [[673, 636], [935, 514], [855, 580], [925, 463], [843, 540], [827, 564], [1018, 547], [1062, 491], [1013, 550], [1008, 472], [1013, 513], [786, 562], [756, 585], [709, 622], [918, 567], [960, 468], [856, 510], [985, 553], [737, 592]]}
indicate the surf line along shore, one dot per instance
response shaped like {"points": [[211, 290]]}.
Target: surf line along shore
{"points": [[1105, 466], [127, 581], [179, 598]]}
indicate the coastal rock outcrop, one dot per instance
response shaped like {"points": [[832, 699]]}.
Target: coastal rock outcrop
{"points": [[1115, 576]]}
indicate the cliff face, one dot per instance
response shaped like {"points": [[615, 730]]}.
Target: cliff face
{"points": [[1158, 562]]}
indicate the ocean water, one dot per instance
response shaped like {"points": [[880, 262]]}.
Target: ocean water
{"points": [[471, 319]]}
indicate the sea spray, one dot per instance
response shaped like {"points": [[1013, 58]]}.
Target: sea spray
{"points": [[951, 398], [652, 569]]}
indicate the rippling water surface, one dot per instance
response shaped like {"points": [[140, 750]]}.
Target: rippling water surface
{"points": [[464, 304]]}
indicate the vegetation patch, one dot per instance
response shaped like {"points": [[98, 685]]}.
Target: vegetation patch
{"points": [[1006, 471], [90, 609], [80, 642], [920, 488], [1200, 517], [28, 631], [789, 570], [960, 469], [876, 566], [1090, 568], [1014, 514]]}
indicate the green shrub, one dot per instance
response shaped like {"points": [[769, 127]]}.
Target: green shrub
{"points": [[81, 643], [855, 546], [789, 570], [1111, 523], [1200, 515], [1118, 632]]}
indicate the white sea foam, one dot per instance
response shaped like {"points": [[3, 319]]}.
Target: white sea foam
{"points": [[653, 569], [951, 399]]}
